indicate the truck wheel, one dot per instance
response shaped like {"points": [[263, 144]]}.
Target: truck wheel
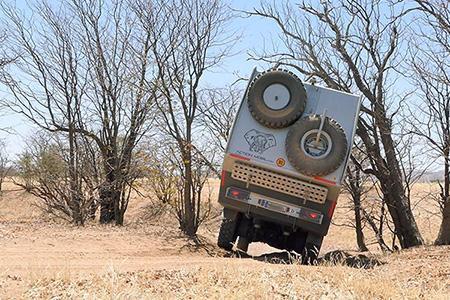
{"points": [[296, 242], [310, 254], [242, 244], [312, 157], [227, 234], [312, 248], [276, 98]]}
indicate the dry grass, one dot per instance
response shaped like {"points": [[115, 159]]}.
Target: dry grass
{"points": [[43, 259], [256, 280]]}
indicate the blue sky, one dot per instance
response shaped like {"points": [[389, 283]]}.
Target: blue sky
{"points": [[253, 33]]}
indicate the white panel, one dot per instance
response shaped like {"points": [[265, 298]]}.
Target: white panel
{"points": [[247, 133]]}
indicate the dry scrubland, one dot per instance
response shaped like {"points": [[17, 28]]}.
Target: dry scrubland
{"points": [[40, 258]]}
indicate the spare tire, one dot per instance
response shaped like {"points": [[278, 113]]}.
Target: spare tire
{"points": [[312, 157], [276, 98]]}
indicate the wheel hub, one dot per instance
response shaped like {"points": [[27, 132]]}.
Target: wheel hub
{"points": [[276, 96], [316, 148]]}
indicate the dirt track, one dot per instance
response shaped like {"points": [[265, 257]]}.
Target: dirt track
{"points": [[30, 251], [47, 260], [93, 249], [44, 259]]}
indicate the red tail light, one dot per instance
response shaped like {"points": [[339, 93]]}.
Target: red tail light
{"points": [[237, 194], [313, 215], [310, 215]]}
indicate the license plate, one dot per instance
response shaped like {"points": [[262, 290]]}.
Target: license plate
{"points": [[274, 205]]}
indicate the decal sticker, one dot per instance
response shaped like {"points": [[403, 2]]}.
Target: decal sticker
{"points": [[259, 141], [280, 162], [253, 155]]}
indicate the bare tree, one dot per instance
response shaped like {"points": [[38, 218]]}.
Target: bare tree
{"points": [[45, 171], [165, 178], [24, 174], [377, 225], [54, 66], [357, 185], [353, 46], [3, 58], [89, 62], [5, 164], [218, 112], [6, 57], [430, 62], [192, 40], [216, 115], [162, 173]]}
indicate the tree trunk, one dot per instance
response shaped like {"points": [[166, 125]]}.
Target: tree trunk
{"points": [[378, 233], [444, 230], [110, 197], [106, 196], [406, 228], [92, 209], [188, 226], [358, 225], [398, 204], [119, 217], [390, 178], [118, 213], [75, 198]]}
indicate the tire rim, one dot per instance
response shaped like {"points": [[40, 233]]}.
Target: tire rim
{"points": [[313, 149], [276, 96]]}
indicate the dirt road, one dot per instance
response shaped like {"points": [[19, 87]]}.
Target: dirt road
{"points": [[59, 248], [48, 260], [44, 259]]}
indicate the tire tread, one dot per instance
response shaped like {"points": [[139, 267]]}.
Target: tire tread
{"points": [[278, 124], [226, 234], [290, 150]]}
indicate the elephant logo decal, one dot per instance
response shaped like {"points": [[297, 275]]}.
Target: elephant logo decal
{"points": [[259, 141]]}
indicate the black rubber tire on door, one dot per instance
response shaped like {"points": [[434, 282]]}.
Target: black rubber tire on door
{"points": [[284, 116], [227, 234], [303, 132]]}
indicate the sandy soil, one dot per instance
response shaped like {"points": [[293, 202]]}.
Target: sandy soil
{"points": [[41, 258]]}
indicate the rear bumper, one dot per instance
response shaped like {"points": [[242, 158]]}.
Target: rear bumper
{"points": [[273, 216]]}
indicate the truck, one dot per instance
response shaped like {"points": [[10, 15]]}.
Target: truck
{"points": [[285, 163]]}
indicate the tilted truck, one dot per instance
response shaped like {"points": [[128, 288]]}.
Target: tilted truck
{"points": [[285, 162]]}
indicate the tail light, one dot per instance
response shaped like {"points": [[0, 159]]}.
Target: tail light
{"points": [[237, 194], [310, 215], [313, 215]]}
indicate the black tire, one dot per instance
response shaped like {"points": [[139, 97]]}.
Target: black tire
{"points": [[327, 160], [310, 253], [242, 244], [296, 242], [227, 234], [276, 118]]}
